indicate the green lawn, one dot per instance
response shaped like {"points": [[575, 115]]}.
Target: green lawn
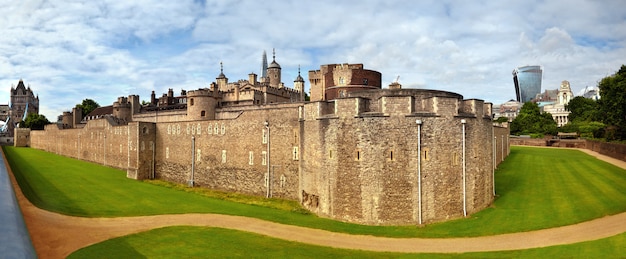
{"points": [[538, 188], [204, 242]]}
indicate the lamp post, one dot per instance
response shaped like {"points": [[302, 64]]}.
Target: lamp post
{"points": [[463, 121], [419, 170]]}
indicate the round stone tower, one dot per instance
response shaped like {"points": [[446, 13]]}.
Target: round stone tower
{"points": [[67, 120], [122, 109], [273, 72], [201, 104]]}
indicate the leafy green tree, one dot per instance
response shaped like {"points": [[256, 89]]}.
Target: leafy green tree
{"points": [[501, 119], [582, 109], [34, 121], [530, 120], [612, 104], [87, 106]]}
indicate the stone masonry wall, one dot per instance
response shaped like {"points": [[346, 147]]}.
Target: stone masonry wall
{"points": [[231, 155], [362, 167], [98, 142], [351, 159]]}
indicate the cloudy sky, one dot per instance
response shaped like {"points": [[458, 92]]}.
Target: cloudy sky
{"points": [[71, 50]]}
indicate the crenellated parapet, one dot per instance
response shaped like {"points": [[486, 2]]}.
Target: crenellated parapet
{"points": [[201, 104], [405, 102], [372, 151]]}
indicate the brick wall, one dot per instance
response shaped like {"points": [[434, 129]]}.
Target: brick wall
{"points": [[614, 150]]}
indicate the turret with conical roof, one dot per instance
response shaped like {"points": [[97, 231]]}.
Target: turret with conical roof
{"points": [[222, 80], [273, 71], [298, 84]]}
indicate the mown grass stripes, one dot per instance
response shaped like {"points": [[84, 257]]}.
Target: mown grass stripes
{"points": [[537, 188]]}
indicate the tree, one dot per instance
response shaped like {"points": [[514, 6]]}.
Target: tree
{"points": [[34, 121], [87, 106], [582, 109], [501, 119], [612, 104], [531, 121]]}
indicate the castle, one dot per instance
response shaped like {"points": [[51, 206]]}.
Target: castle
{"points": [[23, 102], [356, 152]]}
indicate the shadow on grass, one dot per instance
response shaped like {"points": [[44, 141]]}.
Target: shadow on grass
{"points": [[31, 180], [113, 248]]}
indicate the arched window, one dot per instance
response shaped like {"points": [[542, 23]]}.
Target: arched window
{"points": [[191, 102]]}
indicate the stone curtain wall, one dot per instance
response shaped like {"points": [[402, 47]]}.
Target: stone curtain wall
{"points": [[351, 159], [100, 142], [501, 144], [231, 155], [361, 166]]}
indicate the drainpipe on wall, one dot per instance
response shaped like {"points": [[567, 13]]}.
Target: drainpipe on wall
{"points": [[419, 170], [105, 149], [193, 160], [493, 171], [502, 144], [463, 121], [267, 153], [153, 158]]}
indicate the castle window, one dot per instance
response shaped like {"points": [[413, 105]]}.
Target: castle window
{"points": [[264, 137], [330, 154], [426, 154], [358, 155], [223, 156], [264, 157], [202, 113], [341, 81], [391, 158], [364, 81], [145, 130], [295, 153], [251, 158], [191, 102]]}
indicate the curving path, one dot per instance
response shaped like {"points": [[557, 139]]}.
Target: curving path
{"points": [[56, 236]]}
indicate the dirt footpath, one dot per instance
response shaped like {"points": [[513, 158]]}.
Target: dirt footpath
{"points": [[56, 236]]}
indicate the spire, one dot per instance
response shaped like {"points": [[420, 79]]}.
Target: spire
{"points": [[299, 78], [221, 71], [274, 64], [264, 65]]}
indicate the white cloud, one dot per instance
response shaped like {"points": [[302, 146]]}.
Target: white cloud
{"points": [[72, 50]]}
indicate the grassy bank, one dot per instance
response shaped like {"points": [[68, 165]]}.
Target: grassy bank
{"points": [[203, 242], [537, 188]]}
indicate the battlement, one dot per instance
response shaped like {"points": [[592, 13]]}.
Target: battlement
{"points": [[201, 92], [405, 102], [121, 102]]}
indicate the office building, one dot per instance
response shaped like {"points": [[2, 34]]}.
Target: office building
{"points": [[527, 82]]}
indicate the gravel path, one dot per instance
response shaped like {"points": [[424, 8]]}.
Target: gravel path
{"points": [[56, 236]]}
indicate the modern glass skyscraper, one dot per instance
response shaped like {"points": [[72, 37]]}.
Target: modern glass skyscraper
{"points": [[527, 82]]}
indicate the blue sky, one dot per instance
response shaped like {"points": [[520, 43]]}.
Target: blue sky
{"points": [[71, 50]]}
